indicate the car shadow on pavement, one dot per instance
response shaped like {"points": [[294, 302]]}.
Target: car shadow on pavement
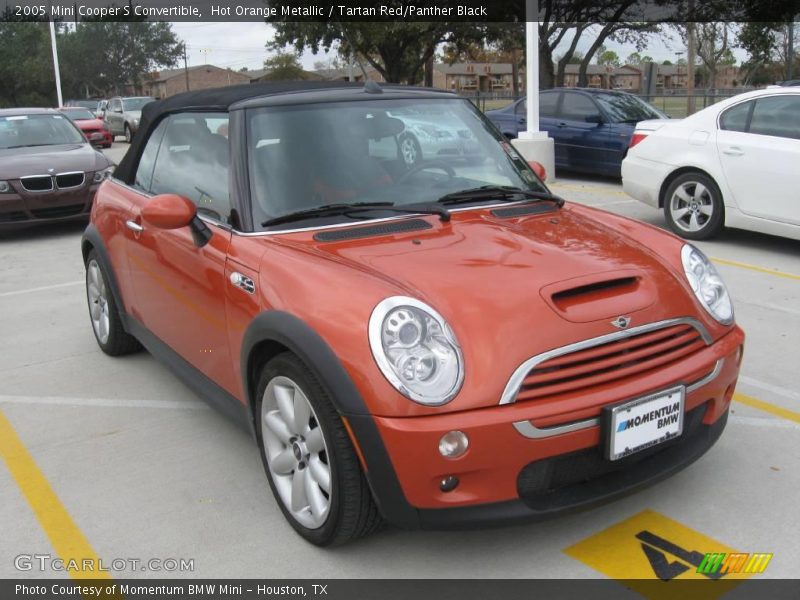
{"points": [[34, 232]]}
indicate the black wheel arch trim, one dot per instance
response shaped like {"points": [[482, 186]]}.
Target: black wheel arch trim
{"points": [[289, 331], [92, 240]]}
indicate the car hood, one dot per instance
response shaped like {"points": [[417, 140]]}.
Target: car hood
{"points": [[39, 160], [510, 288]]}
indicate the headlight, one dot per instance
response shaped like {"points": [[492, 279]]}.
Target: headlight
{"points": [[707, 284], [101, 176], [136, 122], [5, 187], [416, 350]]}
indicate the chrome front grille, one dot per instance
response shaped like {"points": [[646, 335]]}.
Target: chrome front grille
{"points": [[37, 183], [70, 180], [47, 183], [616, 356]]}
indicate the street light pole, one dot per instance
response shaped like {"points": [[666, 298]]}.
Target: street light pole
{"points": [[532, 143], [55, 62], [532, 65]]}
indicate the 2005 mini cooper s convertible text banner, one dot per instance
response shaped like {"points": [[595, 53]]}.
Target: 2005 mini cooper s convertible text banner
{"points": [[435, 344]]}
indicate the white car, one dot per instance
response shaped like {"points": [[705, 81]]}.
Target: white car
{"points": [[733, 164]]}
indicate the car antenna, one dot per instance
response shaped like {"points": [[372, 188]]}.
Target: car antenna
{"points": [[370, 86]]}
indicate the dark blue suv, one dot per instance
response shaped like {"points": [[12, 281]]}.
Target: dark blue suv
{"points": [[591, 128]]}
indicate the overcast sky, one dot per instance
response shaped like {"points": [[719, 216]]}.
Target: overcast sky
{"points": [[237, 45]]}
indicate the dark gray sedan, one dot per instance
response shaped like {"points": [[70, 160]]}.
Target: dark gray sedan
{"points": [[48, 170]]}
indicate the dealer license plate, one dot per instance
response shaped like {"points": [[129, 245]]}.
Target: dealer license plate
{"points": [[644, 422]]}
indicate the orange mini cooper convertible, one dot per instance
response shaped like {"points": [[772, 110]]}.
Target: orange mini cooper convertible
{"points": [[436, 345]]}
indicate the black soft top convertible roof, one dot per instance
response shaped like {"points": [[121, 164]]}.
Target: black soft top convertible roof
{"points": [[222, 99]]}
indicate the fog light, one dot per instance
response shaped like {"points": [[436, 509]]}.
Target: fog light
{"points": [[453, 444], [449, 483]]}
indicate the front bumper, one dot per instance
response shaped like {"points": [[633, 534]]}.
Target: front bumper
{"points": [[506, 476], [21, 208]]}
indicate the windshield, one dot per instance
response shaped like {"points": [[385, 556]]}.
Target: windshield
{"points": [[37, 130], [135, 103], [402, 152], [79, 114], [625, 108]]}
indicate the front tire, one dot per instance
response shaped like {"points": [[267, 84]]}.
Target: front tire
{"points": [[103, 313], [311, 465], [693, 206], [128, 133]]}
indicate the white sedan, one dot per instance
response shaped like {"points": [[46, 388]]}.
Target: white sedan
{"points": [[734, 164]]}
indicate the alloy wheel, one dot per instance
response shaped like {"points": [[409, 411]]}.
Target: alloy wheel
{"points": [[97, 292], [691, 206], [296, 452], [408, 148]]}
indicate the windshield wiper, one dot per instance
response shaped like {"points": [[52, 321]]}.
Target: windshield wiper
{"points": [[348, 210], [497, 192]]}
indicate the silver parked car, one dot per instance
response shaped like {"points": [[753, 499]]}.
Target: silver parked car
{"points": [[429, 134], [123, 114]]}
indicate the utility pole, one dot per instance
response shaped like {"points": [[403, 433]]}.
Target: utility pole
{"points": [[790, 53], [690, 51], [185, 66]]}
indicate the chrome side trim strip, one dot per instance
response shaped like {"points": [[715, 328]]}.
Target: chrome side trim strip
{"points": [[529, 430], [515, 382]]}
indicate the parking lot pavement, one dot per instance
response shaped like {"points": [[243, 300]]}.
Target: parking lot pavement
{"points": [[116, 458]]}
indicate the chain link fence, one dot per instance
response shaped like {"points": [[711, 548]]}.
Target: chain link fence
{"points": [[674, 103]]}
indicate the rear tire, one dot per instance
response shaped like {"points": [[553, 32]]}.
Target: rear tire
{"points": [[128, 133], [306, 449], [693, 206], [103, 312]]}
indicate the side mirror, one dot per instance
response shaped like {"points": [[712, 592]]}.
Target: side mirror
{"points": [[595, 119], [169, 211], [538, 168]]}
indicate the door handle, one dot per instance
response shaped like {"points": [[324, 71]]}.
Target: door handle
{"points": [[134, 226], [733, 151], [562, 124]]}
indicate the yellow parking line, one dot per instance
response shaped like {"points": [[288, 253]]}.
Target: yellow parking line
{"points": [[733, 263], [67, 539], [784, 413]]}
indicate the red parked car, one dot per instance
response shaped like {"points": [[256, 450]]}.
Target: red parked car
{"points": [[96, 130], [441, 345]]}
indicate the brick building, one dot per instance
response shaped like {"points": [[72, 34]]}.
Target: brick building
{"points": [[163, 84]]}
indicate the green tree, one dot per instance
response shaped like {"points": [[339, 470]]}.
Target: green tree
{"points": [[26, 65], [667, 63], [634, 58], [399, 51], [608, 58], [284, 66], [105, 56]]}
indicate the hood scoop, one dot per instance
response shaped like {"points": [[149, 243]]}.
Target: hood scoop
{"points": [[354, 233], [600, 295]]}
